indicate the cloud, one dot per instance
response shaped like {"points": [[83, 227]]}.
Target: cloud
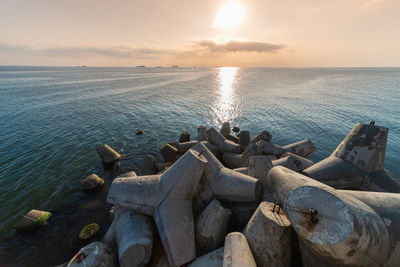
{"points": [[238, 46], [370, 3], [123, 51]]}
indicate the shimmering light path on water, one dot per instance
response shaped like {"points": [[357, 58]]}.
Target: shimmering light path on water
{"points": [[52, 118]]}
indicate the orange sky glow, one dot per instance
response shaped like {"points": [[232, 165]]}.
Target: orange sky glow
{"points": [[257, 33]]}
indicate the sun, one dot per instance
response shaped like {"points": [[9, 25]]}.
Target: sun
{"points": [[229, 16]]}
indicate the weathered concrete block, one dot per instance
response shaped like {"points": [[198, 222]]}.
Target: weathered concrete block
{"points": [[293, 162], [185, 137], [341, 229], [202, 133], [358, 162], [213, 259], [302, 148], [34, 219], [244, 138], [264, 135], [259, 167], [169, 152], [134, 234], [148, 167], [92, 255], [211, 227], [107, 154], [215, 137], [225, 129], [268, 148], [91, 182], [184, 147], [237, 252], [268, 233], [168, 197], [227, 184]]}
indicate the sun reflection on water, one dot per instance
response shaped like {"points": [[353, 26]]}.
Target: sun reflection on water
{"points": [[226, 106]]}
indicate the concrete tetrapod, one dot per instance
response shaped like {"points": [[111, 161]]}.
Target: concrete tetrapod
{"points": [[168, 197], [201, 133], [302, 148], [213, 259], [293, 162], [237, 252], [358, 162], [211, 227], [269, 235], [234, 160], [107, 154], [337, 227], [134, 234], [224, 183]]}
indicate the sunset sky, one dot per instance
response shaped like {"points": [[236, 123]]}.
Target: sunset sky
{"points": [[286, 33]]}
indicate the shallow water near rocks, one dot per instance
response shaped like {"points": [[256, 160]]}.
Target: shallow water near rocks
{"points": [[51, 119]]}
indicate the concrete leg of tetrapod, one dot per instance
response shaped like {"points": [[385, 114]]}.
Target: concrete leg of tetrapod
{"points": [[244, 138], [269, 235], [237, 252], [225, 129], [211, 227], [337, 227], [302, 148], [264, 135], [201, 133], [134, 233], [259, 166], [92, 255], [293, 162]]}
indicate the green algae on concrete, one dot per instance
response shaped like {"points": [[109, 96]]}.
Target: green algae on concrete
{"points": [[88, 231], [33, 220]]}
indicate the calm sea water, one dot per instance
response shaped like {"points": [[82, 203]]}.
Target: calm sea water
{"points": [[51, 119]]}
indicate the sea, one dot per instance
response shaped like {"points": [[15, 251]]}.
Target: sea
{"points": [[52, 118]]}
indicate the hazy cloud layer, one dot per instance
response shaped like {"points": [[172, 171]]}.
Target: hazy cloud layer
{"points": [[83, 51], [237, 46]]}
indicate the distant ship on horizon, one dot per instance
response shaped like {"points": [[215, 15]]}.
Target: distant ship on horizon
{"points": [[141, 66], [175, 66]]}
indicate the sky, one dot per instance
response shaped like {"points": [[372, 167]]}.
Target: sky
{"points": [[243, 33]]}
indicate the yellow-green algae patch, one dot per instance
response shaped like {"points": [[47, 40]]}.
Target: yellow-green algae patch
{"points": [[88, 231]]}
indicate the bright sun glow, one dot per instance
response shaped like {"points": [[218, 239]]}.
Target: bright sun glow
{"points": [[229, 16]]}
